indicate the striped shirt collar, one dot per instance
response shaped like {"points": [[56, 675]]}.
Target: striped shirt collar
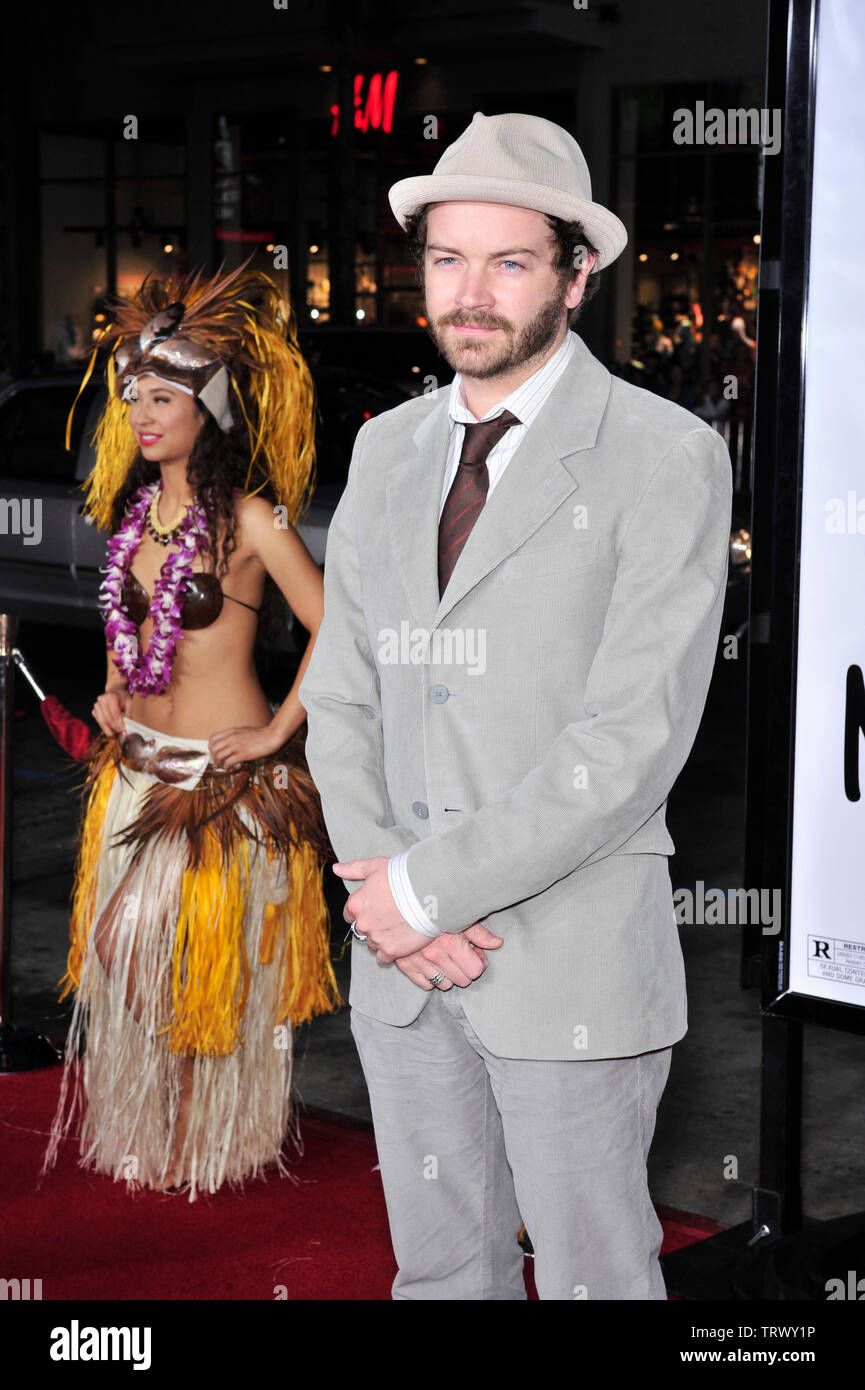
{"points": [[526, 399]]}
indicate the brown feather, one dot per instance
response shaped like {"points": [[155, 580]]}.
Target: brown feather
{"points": [[215, 310], [282, 817]]}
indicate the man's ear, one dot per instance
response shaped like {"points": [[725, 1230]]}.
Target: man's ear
{"points": [[576, 290]]}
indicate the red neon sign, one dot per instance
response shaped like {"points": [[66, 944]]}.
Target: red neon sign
{"points": [[375, 111]]}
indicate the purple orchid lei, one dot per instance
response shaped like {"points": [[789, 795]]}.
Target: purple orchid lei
{"points": [[148, 674]]}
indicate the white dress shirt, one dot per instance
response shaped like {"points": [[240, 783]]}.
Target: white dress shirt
{"points": [[526, 401]]}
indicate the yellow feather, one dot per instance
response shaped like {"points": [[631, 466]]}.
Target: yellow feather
{"points": [[277, 399], [116, 449], [210, 966], [309, 984], [86, 876]]}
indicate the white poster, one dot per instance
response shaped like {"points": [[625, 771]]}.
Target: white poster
{"points": [[827, 940]]}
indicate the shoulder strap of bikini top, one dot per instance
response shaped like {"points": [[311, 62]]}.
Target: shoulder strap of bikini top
{"points": [[241, 602]]}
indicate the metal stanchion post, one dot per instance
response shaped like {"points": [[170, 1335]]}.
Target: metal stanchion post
{"points": [[21, 1049]]}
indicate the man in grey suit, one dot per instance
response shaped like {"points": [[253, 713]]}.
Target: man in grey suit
{"points": [[524, 584]]}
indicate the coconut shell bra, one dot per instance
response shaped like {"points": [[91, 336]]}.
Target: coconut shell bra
{"points": [[202, 603]]}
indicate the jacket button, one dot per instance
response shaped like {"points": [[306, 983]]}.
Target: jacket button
{"points": [[438, 694], [421, 809]]}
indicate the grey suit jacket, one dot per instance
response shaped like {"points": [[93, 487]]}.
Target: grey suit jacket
{"points": [[520, 736]]}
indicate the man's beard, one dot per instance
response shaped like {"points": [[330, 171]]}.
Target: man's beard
{"points": [[478, 358]]}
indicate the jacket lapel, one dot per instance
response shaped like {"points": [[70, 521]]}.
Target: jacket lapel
{"points": [[536, 481]]}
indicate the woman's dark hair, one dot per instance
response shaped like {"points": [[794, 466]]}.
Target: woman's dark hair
{"points": [[567, 238], [218, 465]]}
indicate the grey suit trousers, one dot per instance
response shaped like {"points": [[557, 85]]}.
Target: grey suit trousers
{"points": [[471, 1145]]}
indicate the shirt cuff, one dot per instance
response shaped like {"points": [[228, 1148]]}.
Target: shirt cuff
{"points": [[405, 897]]}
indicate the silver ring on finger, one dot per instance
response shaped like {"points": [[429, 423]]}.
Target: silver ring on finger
{"points": [[356, 933], [436, 978]]}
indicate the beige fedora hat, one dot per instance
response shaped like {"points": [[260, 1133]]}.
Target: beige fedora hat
{"points": [[524, 160]]}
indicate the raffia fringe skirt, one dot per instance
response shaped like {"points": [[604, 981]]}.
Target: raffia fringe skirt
{"points": [[199, 931]]}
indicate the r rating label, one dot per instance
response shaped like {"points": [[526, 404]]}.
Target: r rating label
{"points": [[833, 958]]}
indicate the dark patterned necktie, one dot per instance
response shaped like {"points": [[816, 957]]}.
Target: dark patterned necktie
{"points": [[468, 491]]}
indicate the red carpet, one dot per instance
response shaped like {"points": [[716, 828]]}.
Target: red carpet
{"points": [[324, 1237]]}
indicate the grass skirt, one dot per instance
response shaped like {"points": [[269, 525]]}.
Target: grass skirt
{"points": [[199, 936]]}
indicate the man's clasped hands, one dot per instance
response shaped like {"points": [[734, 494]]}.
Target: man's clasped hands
{"points": [[460, 956]]}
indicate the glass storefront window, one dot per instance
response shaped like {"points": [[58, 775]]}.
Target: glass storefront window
{"points": [[113, 210], [686, 316]]}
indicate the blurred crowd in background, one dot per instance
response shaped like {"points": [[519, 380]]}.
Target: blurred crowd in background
{"points": [[668, 351]]}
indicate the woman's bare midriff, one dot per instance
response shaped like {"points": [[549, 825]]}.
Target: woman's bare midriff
{"points": [[214, 684]]}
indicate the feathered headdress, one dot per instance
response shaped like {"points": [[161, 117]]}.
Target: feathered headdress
{"points": [[230, 341]]}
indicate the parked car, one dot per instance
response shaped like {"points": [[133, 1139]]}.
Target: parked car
{"points": [[404, 355], [55, 578], [50, 572]]}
